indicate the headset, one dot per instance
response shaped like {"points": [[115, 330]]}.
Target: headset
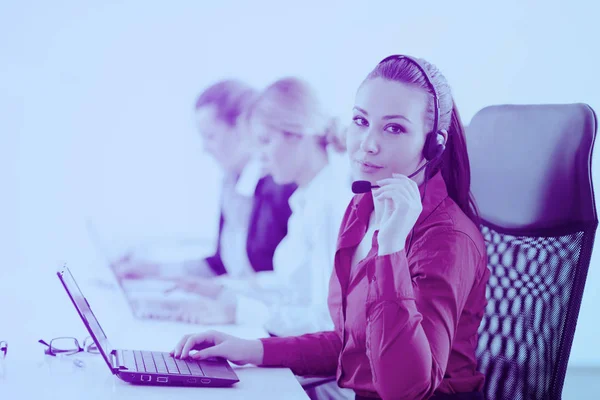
{"points": [[434, 146], [434, 142]]}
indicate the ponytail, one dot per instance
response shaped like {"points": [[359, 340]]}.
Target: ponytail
{"points": [[454, 162], [334, 136], [456, 169]]}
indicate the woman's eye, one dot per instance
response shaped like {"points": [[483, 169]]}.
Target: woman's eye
{"points": [[395, 129], [360, 121]]}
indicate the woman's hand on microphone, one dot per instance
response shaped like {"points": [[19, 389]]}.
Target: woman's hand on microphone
{"points": [[397, 208]]}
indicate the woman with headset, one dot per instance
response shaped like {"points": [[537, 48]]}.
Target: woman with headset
{"points": [[407, 293]]}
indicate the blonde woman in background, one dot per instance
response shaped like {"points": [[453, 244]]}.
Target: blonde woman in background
{"points": [[299, 144], [254, 209]]}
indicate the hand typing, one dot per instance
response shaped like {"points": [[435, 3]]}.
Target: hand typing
{"points": [[217, 344], [128, 267]]}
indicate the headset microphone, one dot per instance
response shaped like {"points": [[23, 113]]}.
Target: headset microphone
{"points": [[362, 187], [365, 186]]}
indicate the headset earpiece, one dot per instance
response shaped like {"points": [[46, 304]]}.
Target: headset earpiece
{"points": [[434, 148], [435, 142], [440, 145]]}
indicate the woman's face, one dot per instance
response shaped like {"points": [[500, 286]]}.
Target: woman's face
{"points": [[220, 140], [388, 130], [282, 153]]}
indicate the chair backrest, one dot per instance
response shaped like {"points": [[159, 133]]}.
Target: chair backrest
{"points": [[531, 179]]}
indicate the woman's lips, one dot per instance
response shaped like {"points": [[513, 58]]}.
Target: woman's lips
{"points": [[368, 167]]}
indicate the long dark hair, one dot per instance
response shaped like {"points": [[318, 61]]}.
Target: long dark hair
{"points": [[454, 163]]}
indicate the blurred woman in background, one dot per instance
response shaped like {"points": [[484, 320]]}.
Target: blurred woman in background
{"points": [[299, 145], [254, 209]]}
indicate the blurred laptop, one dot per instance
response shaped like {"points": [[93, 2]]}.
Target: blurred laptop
{"points": [[150, 298]]}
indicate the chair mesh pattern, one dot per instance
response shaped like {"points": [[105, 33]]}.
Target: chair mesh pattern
{"points": [[534, 293]]}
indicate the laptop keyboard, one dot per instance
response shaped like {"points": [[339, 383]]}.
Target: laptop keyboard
{"points": [[159, 362]]}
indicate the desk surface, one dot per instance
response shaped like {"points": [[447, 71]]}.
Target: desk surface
{"points": [[44, 312]]}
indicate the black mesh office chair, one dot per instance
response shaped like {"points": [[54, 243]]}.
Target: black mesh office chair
{"points": [[531, 178]]}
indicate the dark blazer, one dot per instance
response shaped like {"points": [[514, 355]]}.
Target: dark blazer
{"points": [[268, 226]]}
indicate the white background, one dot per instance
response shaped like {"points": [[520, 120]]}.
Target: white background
{"points": [[96, 103]]}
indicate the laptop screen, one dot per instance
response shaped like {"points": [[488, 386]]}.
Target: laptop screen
{"points": [[86, 314]]}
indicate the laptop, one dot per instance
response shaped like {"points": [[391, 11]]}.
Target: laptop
{"points": [[147, 298], [147, 367]]}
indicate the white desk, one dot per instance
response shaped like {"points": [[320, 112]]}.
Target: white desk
{"points": [[45, 312]]}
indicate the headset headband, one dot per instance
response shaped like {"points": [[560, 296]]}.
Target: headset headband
{"points": [[436, 105]]}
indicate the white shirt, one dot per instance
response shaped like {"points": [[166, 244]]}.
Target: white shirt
{"points": [[296, 291], [236, 205], [237, 199]]}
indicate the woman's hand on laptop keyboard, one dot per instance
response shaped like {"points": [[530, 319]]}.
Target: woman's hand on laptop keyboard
{"points": [[218, 344]]}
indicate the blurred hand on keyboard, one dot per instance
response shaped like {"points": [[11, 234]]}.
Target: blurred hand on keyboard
{"points": [[129, 267], [201, 311], [206, 287]]}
